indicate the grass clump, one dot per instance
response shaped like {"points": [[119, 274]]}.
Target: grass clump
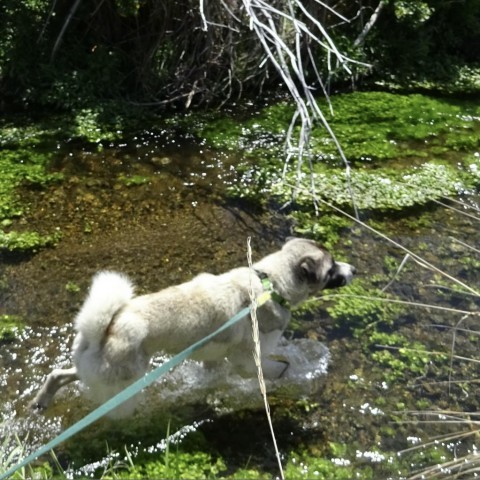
{"points": [[173, 465]]}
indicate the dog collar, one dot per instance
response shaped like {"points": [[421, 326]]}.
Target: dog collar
{"points": [[268, 287]]}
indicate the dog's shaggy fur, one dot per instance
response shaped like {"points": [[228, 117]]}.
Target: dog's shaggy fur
{"points": [[119, 333]]}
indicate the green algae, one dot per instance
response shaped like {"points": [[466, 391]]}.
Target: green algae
{"points": [[28, 168], [383, 189], [406, 150], [26, 241], [9, 325], [369, 126]]}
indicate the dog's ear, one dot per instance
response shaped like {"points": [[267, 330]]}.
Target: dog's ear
{"points": [[311, 269]]}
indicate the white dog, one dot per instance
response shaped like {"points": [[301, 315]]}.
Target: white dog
{"points": [[119, 333]]}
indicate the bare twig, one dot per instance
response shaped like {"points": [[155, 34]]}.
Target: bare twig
{"points": [[288, 62], [70, 15], [400, 268], [368, 26]]}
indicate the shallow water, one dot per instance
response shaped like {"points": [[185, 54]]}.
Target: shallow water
{"points": [[156, 209]]}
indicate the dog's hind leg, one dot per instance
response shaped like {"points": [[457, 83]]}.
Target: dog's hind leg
{"points": [[56, 380]]}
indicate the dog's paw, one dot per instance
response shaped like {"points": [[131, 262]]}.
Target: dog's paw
{"points": [[38, 404], [273, 369]]}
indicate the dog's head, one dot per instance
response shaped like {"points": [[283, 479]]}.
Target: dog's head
{"points": [[316, 266]]}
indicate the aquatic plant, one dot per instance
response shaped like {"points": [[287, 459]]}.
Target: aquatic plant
{"points": [[198, 465], [12, 448], [400, 147], [9, 325], [361, 307], [369, 125], [26, 241]]}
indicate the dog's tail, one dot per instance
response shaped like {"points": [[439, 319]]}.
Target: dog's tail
{"points": [[109, 292]]}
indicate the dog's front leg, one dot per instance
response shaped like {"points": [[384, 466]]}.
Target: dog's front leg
{"points": [[56, 380]]}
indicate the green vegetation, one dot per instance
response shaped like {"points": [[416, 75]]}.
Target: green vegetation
{"points": [[360, 307], [26, 241], [382, 189], [23, 163], [9, 325], [407, 150], [20, 166], [339, 463], [370, 315], [72, 57], [370, 126], [133, 180], [175, 465], [72, 287]]}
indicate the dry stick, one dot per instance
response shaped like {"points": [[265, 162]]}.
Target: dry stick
{"points": [[257, 356], [368, 26], [445, 438], [450, 327], [70, 15], [202, 16], [454, 340], [437, 413], [416, 350], [462, 204], [445, 469], [332, 10], [306, 103], [397, 273], [466, 245], [456, 210]]}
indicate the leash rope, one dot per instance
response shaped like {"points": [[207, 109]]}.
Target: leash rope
{"points": [[132, 389]]}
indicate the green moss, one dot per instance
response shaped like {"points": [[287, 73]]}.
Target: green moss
{"points": [[326, 227], [9, 325], [26, 241], [360, 307], [406, 150], [21, 166], [380, 125], [304, 467], [134, 180], [72, 287], [396, 355], [384, 189], [173, 465], [369, 125]]}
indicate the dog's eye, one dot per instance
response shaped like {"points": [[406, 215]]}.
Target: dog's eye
{"points": [[331, 272]]}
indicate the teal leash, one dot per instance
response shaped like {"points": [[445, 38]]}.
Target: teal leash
{"points": [[131, 390]]}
